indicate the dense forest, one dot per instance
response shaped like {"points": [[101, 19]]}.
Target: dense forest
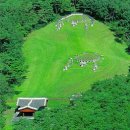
{"points": [[19, 17]]}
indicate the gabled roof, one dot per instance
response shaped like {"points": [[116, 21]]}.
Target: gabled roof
{"points": [[32, 103]]}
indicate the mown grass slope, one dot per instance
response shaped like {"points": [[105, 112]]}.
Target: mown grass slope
{"points": [[47, 51]]}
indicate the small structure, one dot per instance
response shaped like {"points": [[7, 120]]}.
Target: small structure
{"points": [[86, 26], [73, 23], [74, 97], [26, 107], [65, 68], [82, 63]]}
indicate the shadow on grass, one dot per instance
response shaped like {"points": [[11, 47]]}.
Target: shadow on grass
{"points": [[128, 50], [17, 92], [118, 40]]}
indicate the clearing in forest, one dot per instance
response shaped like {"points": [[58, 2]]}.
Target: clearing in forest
{"points": [[48, 50]]}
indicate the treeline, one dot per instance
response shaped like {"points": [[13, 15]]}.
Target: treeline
{"points": [[105, 107], [17, 19], [20, 17]]}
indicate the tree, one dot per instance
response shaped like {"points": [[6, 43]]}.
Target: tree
{"points": [[23, 124]]}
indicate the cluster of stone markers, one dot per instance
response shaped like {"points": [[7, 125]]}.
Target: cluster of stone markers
{"points": [[83, 60], [82, 20]]}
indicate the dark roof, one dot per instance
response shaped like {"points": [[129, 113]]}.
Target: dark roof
{"points": [[33, 103]]}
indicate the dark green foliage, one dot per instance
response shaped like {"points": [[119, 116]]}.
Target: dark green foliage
{"points": [[4, 90], [2, 119], [19, 17], [62, 7], [23, 124]]}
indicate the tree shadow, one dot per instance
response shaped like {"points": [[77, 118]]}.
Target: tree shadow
{"points": [[118, 40], [17, 92], [8, 106], [128, 50]]}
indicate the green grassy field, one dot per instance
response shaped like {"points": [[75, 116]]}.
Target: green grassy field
{"points": [[47, 51]]}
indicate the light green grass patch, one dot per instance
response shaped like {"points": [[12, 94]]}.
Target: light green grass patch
{"points": [[47, 51]]}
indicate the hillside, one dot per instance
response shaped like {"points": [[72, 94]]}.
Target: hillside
{"points": [[47, 51]]}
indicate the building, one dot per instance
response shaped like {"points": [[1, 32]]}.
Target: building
{"points": [[26, 107]]}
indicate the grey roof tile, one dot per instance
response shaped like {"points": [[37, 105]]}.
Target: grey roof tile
{"points": [[31, 102], [37, 103], [23, 102]]}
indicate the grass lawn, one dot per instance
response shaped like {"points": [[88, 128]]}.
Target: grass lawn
{"points": [[47, 51]]}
